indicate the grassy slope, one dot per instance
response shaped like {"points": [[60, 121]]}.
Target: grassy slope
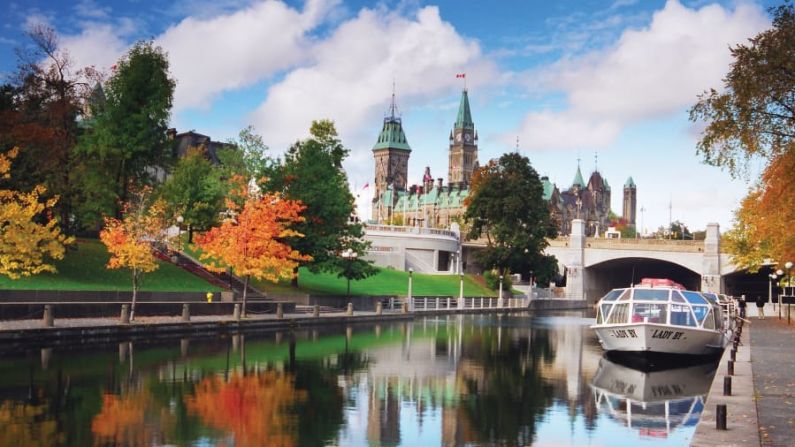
{"points": [[84, 269]]}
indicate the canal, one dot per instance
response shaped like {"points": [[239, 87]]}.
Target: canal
{"points": [[523, 379]]}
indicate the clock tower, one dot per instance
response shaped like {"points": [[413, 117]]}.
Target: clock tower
{"points": [[391, 153], [463, 146]]}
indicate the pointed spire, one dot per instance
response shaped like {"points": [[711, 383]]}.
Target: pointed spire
{"points": [[578, 177], [392, 135], [629, 183], [596, 161], [393, 105], [464, 119]]}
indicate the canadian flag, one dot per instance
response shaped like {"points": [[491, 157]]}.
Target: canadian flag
{"points": [[460, 75], [366, 185]]}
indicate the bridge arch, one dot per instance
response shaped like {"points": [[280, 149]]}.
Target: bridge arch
{"points": [[624, 271]]}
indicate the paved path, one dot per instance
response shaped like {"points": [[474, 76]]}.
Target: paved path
{"points": [[773, 359]]}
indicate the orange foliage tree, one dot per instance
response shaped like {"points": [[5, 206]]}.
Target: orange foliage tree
{"points": [[255, 408], [25, 243], [251, 239], [130, 239]]}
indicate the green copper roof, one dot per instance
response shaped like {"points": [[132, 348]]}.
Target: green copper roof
{"points": [[464, 119], [578, 179], [548, 188], [392, 136], [630, 183]]}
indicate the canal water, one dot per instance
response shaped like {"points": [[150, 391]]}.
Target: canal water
{"points": [[524, 379]]}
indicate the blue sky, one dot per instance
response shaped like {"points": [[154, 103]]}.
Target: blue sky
{"points": [[570, 79]]}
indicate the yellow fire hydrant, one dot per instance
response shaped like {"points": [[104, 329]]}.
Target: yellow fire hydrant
{"points": [[209, 297]]}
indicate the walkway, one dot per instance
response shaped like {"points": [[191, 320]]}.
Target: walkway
{"points": [[773, 359]]}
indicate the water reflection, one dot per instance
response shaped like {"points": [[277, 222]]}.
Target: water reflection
{"points": [[477, 380], [654, 403]]}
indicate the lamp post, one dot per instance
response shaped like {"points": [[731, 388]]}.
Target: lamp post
{"points": [[349, 256], [180, 219], [461, 291], [779, 273], [410, 299], [772, 277], [499, 297]]}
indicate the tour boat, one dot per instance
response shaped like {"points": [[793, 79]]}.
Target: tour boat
{"points": [[655, 403], [658, 316]]}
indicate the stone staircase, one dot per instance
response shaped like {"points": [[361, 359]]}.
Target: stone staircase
{"points": [[223, 280]]}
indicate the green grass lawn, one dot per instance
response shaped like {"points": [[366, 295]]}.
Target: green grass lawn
{"points": [[84, 269], [385, 282]]}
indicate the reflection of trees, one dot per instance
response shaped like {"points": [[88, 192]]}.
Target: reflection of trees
{"points": [[503, 387], [22, 425], [130, 419], [256, 408]]}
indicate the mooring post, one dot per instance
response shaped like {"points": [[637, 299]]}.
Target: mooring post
{"points": [[350, 310], [730, 368], [236, 312], [279, 311], [727, 385], [186, 312], [733, 355], [125, 314], [379, 308], [720, 416], [316, 311], [48, 318]]}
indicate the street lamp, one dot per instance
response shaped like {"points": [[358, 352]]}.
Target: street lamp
{"points": [[350, 256], [788, 266], [410, 299], [772, 277], [180, 219]]}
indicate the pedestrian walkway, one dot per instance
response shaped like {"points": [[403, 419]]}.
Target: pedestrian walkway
{"points": [[773, 360]]}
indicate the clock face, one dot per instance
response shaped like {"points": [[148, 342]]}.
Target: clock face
{"points": [[458, 137], [468, 137]]}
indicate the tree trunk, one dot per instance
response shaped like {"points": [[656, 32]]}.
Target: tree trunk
{"points": [[245, 292], [134, 294], [190, 234], [294, 281]]}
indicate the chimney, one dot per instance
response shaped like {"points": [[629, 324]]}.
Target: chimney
{"points": [[439, 183]]}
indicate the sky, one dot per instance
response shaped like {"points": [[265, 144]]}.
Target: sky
{"points": [[608, 83]]}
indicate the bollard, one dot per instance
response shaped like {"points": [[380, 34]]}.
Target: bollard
{"points": [[379, 308], [350, 309], [279, 311], [727, 385], [730, 368], [733, 355], [316, 311], [125, 314], [720, 416], [47, 318], [236, 312], [735, 344], [186, 312], [404, 308]]}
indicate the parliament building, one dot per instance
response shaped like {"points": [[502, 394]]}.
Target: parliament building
{"points": [[434, 204]]}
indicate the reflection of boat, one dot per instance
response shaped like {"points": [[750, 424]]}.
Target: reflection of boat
{"points": [[655, 403], [660, 317]]}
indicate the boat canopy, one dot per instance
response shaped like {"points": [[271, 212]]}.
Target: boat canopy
{"points": [[667, 306]]}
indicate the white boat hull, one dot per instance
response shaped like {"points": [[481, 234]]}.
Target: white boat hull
{"points": [[660, 338]]}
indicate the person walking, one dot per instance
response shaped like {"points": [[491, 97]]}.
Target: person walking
{"points": [[741, 304], [760, 306]]}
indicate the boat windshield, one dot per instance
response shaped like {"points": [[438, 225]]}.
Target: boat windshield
{"points": [[665, 306]]}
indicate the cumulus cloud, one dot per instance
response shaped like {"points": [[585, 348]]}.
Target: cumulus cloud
{"points": [[651, 72], [231, 51], [350, 75], [98, 45]]}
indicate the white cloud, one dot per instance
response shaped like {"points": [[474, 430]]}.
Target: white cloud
{"points": [[98, 45], [651, 72], [237, 50], [349, 78]]}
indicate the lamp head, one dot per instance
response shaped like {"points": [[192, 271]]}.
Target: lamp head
{"points": [[779, 272], [788, 265], [773, 276], [180, 219]]}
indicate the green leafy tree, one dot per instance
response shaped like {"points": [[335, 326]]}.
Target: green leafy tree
{"points": [[248, 158], [127, 139], [312, 173], [506, 207], [195, 191]]}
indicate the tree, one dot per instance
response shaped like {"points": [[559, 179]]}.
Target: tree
{"points": [[252, 239], [130, 239], [127, 139], [753, 119], [506, 207], [328, 229], [248, 158], [195, 191], [29, 236]]}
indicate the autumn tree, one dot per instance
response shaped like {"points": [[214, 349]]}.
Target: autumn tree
{"points": [[312, 173], [130, 239], [252, 239], [30, 237], [753, 119], [195, 191], [127, 141], [505, 206]]}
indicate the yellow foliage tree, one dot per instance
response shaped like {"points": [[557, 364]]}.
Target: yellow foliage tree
{"points": [[26, 246], [130, 239], [251, 239]]}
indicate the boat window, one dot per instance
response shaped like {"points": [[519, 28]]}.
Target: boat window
{"points": [[619, 314], [651, 294], [700, 313], [612, 295], [711, 297], [694, 297], [625, 296], [709, 322], [604, 311], [681, 316], [650, 313], [677, 297]]}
